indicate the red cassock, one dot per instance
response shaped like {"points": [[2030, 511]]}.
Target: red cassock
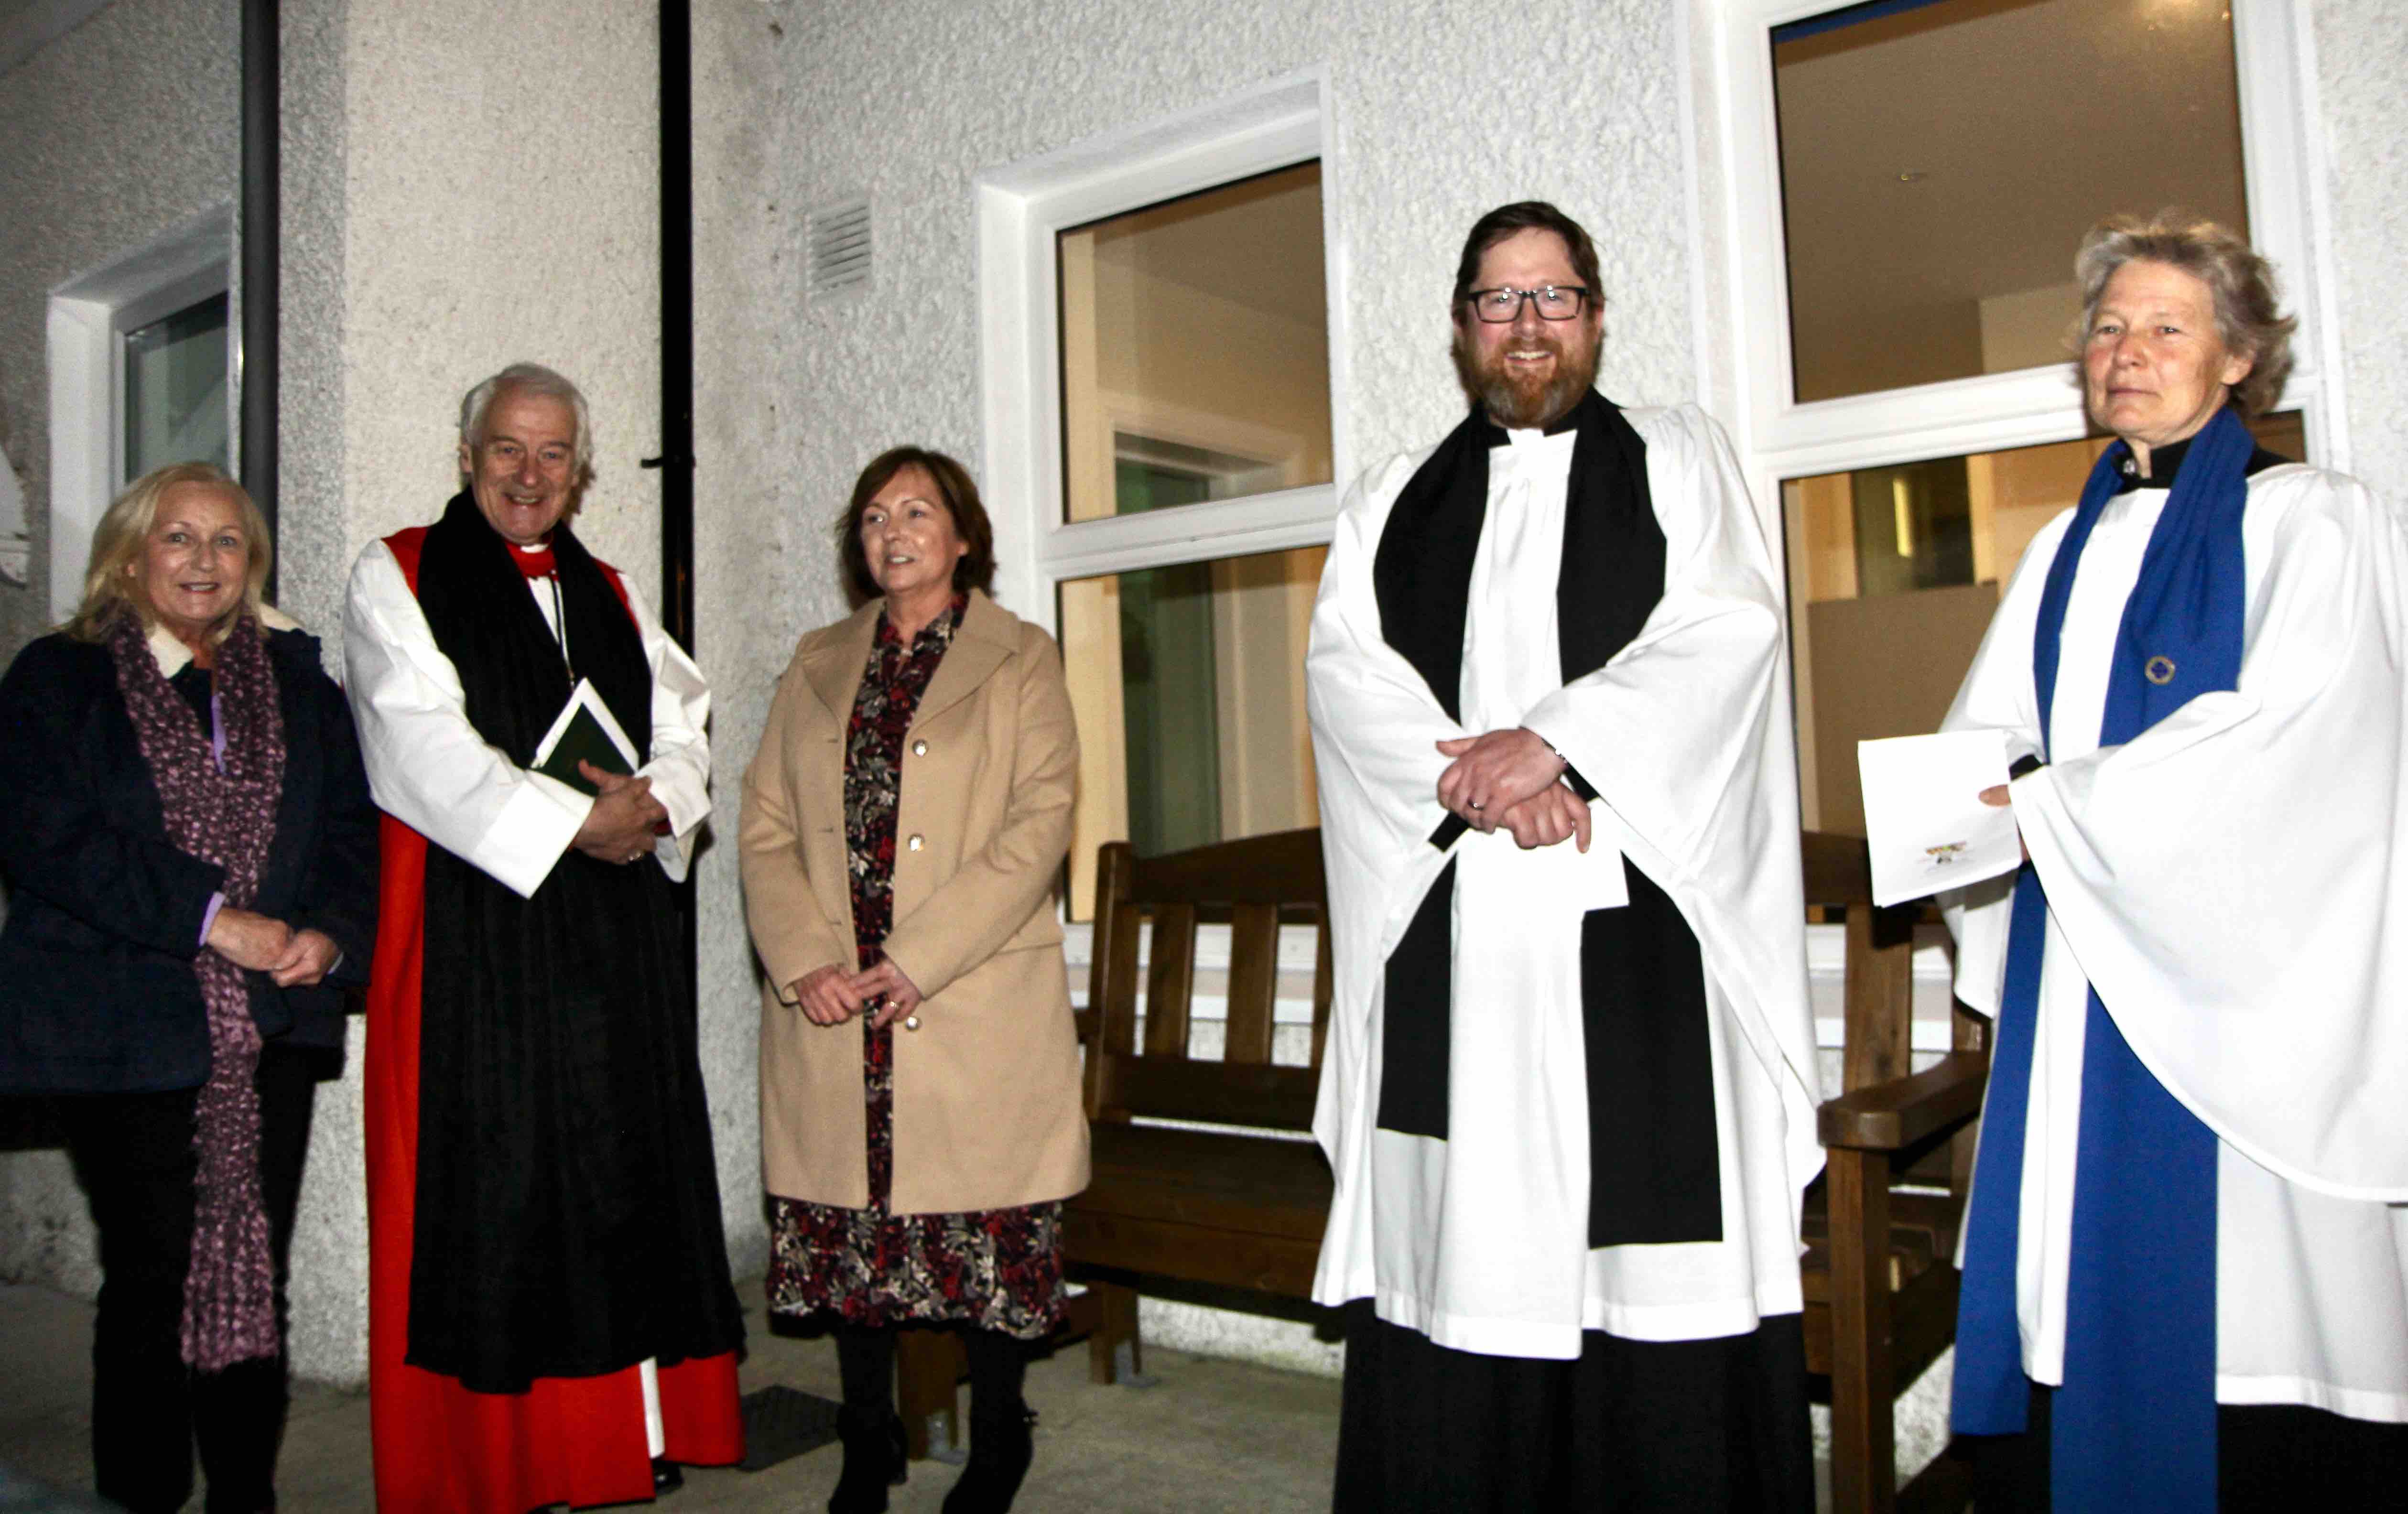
{"points": [[441, 1448]]}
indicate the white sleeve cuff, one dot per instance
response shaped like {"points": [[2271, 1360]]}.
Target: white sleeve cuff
{"points": [[534, 829]]}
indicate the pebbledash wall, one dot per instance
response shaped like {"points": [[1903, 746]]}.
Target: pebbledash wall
{"points": [[471, 182], [2361, 49], [466, 184], [908, 102], [1440, 112], [117, 126]]}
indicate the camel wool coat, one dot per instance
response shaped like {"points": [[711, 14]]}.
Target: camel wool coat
{"points": [[987, 1112]]}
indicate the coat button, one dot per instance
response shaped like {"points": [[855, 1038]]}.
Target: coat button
{"points": [[911, 1023], [918, 748], [914, 843]]}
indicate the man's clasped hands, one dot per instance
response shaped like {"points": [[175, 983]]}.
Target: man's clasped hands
{"points": [[1515, 782]]}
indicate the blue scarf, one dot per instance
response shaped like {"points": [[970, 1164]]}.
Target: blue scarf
{"points": [[2134, 1425]]}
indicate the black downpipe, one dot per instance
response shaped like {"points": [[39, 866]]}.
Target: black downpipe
{"points": [[676, 462], [262, 239]]}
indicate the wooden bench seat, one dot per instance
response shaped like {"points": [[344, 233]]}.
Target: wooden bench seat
{"points": [[1202, 1205], [1242, 1205]]}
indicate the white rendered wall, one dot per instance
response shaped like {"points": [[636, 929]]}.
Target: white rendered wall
{"points": [[909, 100], [468, 183], [110, 134], [2361, 48], [471, 182]]}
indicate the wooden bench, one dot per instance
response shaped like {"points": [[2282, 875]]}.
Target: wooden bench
{"points": [[1880, 1272], [1242, 1204]]}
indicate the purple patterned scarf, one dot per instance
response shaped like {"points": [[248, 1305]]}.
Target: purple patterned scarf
{"points": [[226, 817]]}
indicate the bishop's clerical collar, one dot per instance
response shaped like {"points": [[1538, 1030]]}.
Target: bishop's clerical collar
{"points": [[2164, 462], [537, 561]]}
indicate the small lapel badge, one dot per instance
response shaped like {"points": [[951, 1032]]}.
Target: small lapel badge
{"points": [[2160, 669]]}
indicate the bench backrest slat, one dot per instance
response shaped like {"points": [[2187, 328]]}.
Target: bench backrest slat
{"points": [[1254, 983], [1255, 885], [1170, 980], [1110, 1020]]}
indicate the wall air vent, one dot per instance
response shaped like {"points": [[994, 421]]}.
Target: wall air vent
{"points": [[836, 237]]}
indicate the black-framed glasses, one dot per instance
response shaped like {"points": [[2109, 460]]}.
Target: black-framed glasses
{"points": [[1556, 302]]}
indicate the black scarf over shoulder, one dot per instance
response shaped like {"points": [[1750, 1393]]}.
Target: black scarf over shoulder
{"points": [[567, 1204], [1614, 550], [1655, 1173]]}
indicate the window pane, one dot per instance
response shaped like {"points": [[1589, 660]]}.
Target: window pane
{"points": [[1195, 349], [1189, 686], [1940, 164], [1894, 574], [176, 390]]}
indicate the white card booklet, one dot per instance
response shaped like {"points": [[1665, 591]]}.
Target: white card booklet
{"points": [[1924, 820]]}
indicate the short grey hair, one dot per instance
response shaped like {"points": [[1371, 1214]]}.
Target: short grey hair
{"points": [[2248, 315], [526, 379]]}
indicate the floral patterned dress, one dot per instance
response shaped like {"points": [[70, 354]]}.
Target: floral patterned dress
{"points": [[994, 1269]]}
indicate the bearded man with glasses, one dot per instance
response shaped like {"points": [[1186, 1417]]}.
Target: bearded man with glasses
{"points": [[1571, 1087]]}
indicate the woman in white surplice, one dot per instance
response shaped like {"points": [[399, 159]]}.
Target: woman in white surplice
{"points": [[2200, 673]]}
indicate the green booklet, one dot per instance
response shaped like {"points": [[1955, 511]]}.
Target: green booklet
{"points": [[586, 732]]}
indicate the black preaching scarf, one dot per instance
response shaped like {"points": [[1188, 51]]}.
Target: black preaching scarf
{"points": [[1614, 550], [1654, 1171], [568, 1220]]}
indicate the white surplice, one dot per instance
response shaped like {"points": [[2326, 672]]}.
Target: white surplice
{"points": [[1479, 1240], [2235, 882], [429, 768]]}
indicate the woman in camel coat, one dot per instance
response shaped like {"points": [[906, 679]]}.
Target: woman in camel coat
{"points": [[905, 821]]}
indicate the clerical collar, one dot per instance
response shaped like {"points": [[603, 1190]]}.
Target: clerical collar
{"points": [[2164, 462], [2167, 461], [535, 562], [1568, 421]]}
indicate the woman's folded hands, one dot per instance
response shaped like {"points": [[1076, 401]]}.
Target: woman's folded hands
{"points": [[829, 995]]}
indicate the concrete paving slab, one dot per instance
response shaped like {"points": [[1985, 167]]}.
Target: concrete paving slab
{"points": [[1213, 1434]]}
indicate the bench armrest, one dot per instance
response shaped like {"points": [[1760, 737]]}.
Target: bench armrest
{"points": [[1889, 1116]]}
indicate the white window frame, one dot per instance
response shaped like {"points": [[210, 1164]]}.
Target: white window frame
{"points": [[1020, 208], [89, 318], [1781, 438], [1747, 327]]}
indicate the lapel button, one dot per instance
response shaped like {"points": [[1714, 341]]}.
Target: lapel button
{"points": [[918, 748]]}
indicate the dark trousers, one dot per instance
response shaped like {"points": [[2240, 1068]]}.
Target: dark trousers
{"points": [[134, 1155], [2269, 1459]]}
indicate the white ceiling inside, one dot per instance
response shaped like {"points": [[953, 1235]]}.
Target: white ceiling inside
{"points": [[2022, 121], [1257, 243]]}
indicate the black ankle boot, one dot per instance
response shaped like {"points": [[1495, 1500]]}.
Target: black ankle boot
{"points": [[1001, 1447], [873, 1461]]}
